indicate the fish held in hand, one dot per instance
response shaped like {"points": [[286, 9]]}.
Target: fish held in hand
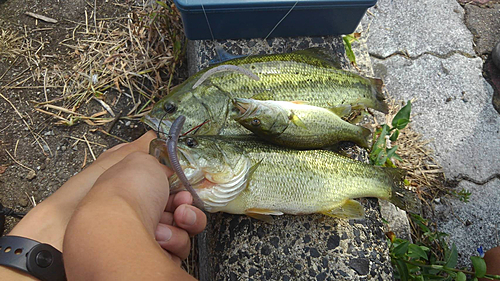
{"points": [[307, 75], [297, 125], [243, 175]]}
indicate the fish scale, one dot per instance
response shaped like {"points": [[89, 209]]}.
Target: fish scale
{"points": [[292, 181], [297, 125], [299, 81], [308, 75]]}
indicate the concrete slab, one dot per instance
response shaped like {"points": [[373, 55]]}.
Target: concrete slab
{"points": [[478, 2], [485, 25], [417, 27], [453, 108], [313, 247], [472, 224]]}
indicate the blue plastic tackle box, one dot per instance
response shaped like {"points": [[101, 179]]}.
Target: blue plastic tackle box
{"points": [[235, 19]]}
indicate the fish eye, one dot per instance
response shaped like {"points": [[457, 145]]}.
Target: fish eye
{"points": [[170, 108], [255, 122], [191, 142]]}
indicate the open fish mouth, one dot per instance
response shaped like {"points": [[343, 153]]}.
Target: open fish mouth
{"points": [[242, 108], [193, 173], [159, 125]]}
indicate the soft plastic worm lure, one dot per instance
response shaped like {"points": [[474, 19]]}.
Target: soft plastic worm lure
{"points": [[173, 137], [224, 68]]}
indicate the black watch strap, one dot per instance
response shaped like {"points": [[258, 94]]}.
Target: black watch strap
{"points": [[40, 260]]}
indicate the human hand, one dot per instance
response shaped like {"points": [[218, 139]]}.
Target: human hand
{"points": [[48, 221], [128, 205], [142, 182], [179, 221]]}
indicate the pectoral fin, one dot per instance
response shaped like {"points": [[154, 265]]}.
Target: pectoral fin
{"points": [[296, 120], [253, 168], [350, 209], [264, 218]]}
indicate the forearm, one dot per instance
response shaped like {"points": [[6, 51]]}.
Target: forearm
{"points": [[107, 239]]}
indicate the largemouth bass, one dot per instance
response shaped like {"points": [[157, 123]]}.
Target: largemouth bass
{"points": [[297, 125], [308, 75], [242, 175]]}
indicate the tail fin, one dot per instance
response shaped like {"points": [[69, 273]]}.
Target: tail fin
{"points": [[364, 138], [402, 197], [380, 103]]}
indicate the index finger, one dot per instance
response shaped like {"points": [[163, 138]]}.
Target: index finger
{"points": [[115, 154]]}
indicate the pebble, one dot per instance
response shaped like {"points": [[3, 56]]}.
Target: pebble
{"points": [[63, 148], [49, 133], [31, 175], [23, 202], [437, 200], [127, 123]]}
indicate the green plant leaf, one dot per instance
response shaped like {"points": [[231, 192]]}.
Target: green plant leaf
{"points": [[424, 248], [420, 222], [392, 151], [348, 50], [401, 249], [401, 123], [402, 270], [461, 276], [416, 252], [163, 4], [479, 266], [381, 159], [429, 277], [418, 278], [397, 157], [452, 257], [402, 118], [395, 135], [378, 148], [348, 39]]}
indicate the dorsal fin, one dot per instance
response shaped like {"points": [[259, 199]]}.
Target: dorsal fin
{"points": [[223, 56]]}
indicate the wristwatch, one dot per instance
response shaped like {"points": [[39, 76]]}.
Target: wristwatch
{"points": [[38, 259]]}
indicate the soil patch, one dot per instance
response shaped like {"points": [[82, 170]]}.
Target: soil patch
{"points": [[45, 63]]}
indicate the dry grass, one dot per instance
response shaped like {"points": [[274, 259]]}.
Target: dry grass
{"points": [[425, 174], [10, 43], [135, 57]]}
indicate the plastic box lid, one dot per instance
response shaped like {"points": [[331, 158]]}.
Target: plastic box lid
{"points": [[238, 5]]}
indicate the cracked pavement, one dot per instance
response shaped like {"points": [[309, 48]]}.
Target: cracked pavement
{"points": [[434, 51]]}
